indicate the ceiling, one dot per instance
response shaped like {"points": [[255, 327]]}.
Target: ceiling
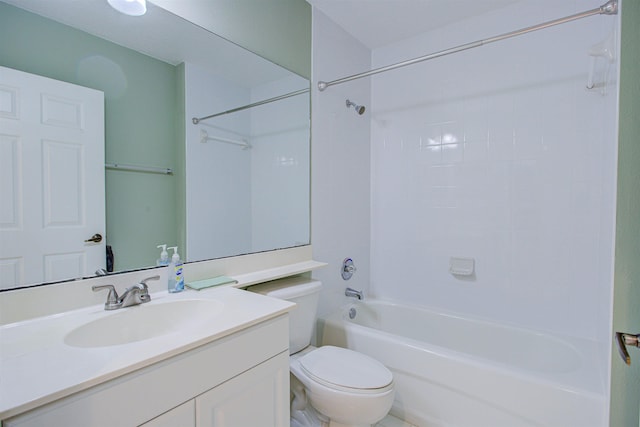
{"points": [[161, 35], [380, 22]]}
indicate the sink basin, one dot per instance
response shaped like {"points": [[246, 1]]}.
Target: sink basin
{"points": [[143, 322]]}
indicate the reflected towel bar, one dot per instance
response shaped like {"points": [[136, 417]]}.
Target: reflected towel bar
{"points": [[204, 137], [135, 168]]}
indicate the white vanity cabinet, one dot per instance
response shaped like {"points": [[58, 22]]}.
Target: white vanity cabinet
{"points": [[258, 398], [181, 416], [240, 380]]}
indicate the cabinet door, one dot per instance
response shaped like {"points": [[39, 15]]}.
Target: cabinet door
{"points": [[258, 397], [182, 416]]}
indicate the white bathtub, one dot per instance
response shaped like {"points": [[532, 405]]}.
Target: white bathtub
{"points": [[454, 371]]}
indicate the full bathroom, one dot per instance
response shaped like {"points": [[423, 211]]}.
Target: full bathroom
{"points": [[454, 237]]}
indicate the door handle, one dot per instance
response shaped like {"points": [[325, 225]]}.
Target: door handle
{"points": [[96, 238], [624, 340]]}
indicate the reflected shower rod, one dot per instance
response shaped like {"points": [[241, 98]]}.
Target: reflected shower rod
{"points": [[609, 8], [197, 120]]}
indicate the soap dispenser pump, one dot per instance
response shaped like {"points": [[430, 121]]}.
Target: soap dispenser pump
{"points": [[164, 256], [176, 280]]}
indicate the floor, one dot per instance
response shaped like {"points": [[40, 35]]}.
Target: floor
{"points": [[391, 421]]}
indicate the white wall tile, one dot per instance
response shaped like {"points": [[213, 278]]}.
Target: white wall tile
{"points": [[213, 222], [510, 169], [280, 166]]}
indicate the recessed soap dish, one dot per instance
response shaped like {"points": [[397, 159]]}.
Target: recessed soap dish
{"points": [[459, 266]]}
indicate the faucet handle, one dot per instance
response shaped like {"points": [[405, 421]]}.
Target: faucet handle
{"points": [[348, 268], [112, 299], [143, 282], [144, 289]]}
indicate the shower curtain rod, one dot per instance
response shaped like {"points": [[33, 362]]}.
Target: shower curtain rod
{"points": [[609, 8], [197, 120]]}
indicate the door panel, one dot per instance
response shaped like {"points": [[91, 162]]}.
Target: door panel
{"points": [[52, 179], [257, 397]]}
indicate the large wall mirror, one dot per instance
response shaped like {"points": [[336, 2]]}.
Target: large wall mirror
{"points": [[228, 185]]}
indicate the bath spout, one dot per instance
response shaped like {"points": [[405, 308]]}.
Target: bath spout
{"points": [[353, 293]]}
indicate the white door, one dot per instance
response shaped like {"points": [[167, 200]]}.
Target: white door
{"points": [[51, 179]]}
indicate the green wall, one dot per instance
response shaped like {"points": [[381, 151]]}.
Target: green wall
{"points": [[625, 390], [278, 30], [140, 123]]}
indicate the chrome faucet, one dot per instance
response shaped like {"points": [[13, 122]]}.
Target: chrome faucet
{"points": [[133, 295], [353, 293]]}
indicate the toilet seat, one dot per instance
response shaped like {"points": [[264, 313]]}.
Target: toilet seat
{"points": [[346, 370]]}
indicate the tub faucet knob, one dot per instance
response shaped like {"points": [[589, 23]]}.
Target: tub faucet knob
{"points": [[348, 268]]}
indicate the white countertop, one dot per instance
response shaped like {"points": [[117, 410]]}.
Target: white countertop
{"points": [[37, 367]]}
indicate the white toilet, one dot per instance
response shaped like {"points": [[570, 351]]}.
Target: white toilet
{"points": [[331, 386]]}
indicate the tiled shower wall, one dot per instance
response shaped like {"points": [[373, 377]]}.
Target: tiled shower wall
{"points": [[255, 197], [213, 222], [280, 166], [502, 155]]}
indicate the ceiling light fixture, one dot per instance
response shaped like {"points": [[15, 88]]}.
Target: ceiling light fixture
{"points": [[129, 7]]}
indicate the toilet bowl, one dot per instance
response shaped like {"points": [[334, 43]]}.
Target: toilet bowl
{"points": [[331, 386], [349, 388]]}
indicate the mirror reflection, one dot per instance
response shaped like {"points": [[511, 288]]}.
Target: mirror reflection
{"points": [[239, 182]]}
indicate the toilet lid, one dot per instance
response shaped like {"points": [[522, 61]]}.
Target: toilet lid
{"points": [[345, 368]]}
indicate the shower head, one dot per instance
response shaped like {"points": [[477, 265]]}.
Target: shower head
{"points": [[359, 108]]}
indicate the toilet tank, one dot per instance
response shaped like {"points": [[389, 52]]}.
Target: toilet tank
{"points": [[303, 291]]}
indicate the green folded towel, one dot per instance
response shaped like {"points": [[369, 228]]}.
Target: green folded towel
{"points": [[214, 281]]}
